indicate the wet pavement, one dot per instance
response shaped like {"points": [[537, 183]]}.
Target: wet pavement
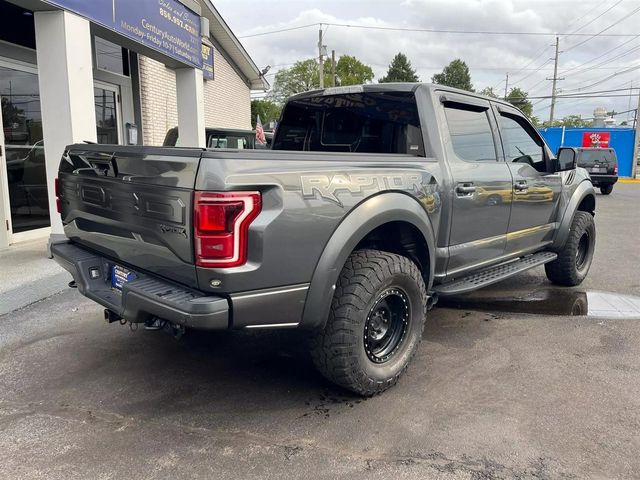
{"points": [[506, 384], [551, 301]]}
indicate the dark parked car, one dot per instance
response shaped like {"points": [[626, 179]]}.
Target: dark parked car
{"points": [[602, 165], [374, 200]]}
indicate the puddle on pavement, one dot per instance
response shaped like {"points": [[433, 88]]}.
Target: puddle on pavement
{"points": [[552, 302]]}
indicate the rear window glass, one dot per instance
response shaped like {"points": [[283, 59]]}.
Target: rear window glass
{"points": [[381, 122], [593, 155]]}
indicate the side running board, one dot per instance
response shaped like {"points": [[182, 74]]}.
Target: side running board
{"points": [[494, 274]]}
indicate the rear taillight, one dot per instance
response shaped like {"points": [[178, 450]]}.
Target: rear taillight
{"points": [[57, 190], [221, 226], [615, 169]]}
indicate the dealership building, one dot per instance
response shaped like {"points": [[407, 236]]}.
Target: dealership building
{"points": [[107, 71]]}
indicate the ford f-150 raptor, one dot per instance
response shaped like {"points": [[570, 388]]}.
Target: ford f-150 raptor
{"points": [[374, 200]]}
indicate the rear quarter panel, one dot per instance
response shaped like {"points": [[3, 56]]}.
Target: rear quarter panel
{"points": [[305, 196]]}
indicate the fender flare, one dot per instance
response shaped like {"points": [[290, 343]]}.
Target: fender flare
{"points": [[370, 214], [580, 193]]}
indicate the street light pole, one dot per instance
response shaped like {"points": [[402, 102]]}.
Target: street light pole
{"points": [[636, 139]]}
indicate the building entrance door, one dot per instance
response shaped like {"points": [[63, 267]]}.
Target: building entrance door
{"points": [[108, 115]]}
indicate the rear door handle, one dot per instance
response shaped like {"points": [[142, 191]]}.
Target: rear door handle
{"points": [[465, 189]]}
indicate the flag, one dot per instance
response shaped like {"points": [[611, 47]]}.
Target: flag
{"points": [[260, 138]]}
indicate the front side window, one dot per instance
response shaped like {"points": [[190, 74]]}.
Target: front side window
{"points": [[470, 132], [520, 146]]}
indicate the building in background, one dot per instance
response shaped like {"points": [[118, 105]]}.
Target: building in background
{"points": [[107, 71]]}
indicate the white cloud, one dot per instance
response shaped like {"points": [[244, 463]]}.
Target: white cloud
{"points": [[489, 56]]}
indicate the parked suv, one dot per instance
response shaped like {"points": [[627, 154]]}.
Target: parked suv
{"points": [[602, 165], [374, 200]]}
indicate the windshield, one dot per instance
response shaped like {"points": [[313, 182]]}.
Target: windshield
{"points": [[382, 122]]}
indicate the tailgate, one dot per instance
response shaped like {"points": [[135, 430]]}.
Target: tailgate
{"points": [[133, 204]]}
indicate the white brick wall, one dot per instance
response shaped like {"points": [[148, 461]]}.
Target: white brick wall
{"points": [[227, 99]]}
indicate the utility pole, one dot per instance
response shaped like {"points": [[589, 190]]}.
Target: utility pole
{"points": [[333, 68], [636, 139], [320, 62], [554, 79], [506, 86]]}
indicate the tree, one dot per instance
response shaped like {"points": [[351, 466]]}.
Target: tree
{"points": [[304, 76], [518, 98], [349, 71], [488, 92], [267, 110], [456, 75], [301, 77], [570, 121], [400, 70]]}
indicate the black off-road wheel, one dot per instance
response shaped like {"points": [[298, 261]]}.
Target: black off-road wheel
{"points": [[606, 189], [573, 262], [375, 324]]}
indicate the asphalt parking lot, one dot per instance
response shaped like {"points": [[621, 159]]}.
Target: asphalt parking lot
{"points": [[491, 393]]}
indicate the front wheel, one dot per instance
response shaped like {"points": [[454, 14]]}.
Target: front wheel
{"points": [[574, 260], [375, 324], [606, 189]]}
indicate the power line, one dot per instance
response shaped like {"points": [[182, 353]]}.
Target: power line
{"points": [[439, 30], [600, 33], [621, 72], [280, 31], [600, 56], [600, 15]]}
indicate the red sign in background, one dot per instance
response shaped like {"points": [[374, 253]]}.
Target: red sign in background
{"points": [[596, 139]]}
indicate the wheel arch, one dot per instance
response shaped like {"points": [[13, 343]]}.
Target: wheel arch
{"points": [[583, 200], [377, 212]]}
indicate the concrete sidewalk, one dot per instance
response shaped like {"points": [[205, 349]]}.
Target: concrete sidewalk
{"points": [[27, 275]]}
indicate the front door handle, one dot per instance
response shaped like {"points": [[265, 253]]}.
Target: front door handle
{"points": [[521, 186], [465, 189]]}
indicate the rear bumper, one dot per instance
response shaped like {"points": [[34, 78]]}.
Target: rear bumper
{"points": [[598, 179], [143, 298], [149, 296]]}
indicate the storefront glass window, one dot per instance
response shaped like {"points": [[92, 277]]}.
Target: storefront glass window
{"points": [[111, 57], [106, 115], [22, 124]]}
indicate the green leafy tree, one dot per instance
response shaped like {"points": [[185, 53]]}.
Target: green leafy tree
{"points": [[301, 77], [267, 110], [349, 71], [400, 70], [489, 92], [304, 76], [518, 98], [456, 75]]}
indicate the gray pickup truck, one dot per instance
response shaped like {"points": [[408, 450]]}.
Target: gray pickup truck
{"points": [[374, 200]]}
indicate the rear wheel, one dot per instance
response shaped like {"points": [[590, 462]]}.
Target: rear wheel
{"points": [[606, 189], [574, 260], [375, 324]]}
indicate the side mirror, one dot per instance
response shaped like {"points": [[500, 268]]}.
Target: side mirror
{"points": [[566, 159]]}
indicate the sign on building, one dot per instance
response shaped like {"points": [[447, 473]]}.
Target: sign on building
{"points": [[596, 139], [164, 25]]}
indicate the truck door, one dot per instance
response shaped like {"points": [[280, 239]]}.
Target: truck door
{"points": [[536, 191], [481, 183]]}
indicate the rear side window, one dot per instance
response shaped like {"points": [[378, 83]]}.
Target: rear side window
{"points": [[470, 131], [380, 122]]}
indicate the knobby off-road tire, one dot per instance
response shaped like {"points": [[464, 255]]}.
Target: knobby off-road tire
{"points": [[606, 189], [573, 262], [378, 294]]}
